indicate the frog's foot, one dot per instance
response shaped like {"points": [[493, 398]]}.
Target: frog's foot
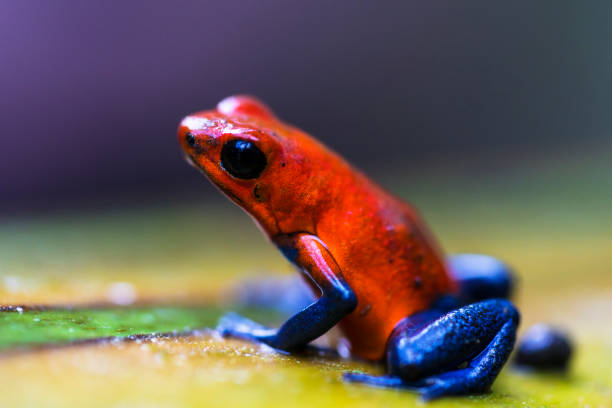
{"points": [[481, 277], [387, 381], [458, 353], [236, 326], [383, 381]]}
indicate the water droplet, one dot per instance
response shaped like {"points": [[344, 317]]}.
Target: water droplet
{"points": [[121, 293]]}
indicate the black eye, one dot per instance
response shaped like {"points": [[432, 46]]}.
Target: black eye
{"points": [[190, 139], [242, 159]]}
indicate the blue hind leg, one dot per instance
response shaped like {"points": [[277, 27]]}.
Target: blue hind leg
{"points": [[460, 352], [481, 277]]}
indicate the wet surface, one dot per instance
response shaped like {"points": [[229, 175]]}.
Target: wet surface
{"points": [[205, 370], [149, 282]]}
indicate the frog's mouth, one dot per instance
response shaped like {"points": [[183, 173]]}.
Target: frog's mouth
{"points": [[189, 159], [192, 161], [231, 195]]}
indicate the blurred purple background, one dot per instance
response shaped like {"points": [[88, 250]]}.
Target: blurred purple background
{"points": [[92, 92]]}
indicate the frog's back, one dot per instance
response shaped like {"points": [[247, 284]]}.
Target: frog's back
{"points": [[387, 256], [383, 248]]}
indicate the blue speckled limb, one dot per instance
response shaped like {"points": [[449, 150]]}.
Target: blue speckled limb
{"points": [[460, 352], [295, 333], [336, 301]]}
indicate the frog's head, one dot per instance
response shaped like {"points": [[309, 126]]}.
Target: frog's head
{"points": [[268, 168]]}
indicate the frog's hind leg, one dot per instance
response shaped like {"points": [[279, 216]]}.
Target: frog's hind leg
{"points": [[481, 277], [461, 352]]}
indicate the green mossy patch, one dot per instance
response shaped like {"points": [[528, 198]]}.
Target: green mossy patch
{"points": [[22, 328]]}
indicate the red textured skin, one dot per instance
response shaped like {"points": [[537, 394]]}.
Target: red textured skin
{"points": [[383, 248]]}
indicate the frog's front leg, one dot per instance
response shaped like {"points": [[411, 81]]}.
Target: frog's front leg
{"points": [[337, 299]]}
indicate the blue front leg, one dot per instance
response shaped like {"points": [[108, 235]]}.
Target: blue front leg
{"points": [[336, 301], [459, 352], [300, 329]]}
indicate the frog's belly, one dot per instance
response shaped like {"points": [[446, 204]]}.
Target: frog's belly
{"points": [[382, 303]]}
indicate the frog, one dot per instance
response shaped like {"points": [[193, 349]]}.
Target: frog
{"points": [[441, 325]]}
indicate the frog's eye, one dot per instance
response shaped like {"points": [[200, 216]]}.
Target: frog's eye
{"points": [[242, 159]]}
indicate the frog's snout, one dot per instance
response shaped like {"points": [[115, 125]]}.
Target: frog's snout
{"points": [[190, 143], [196, 134]]}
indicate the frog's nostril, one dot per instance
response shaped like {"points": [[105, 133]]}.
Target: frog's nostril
{"points": [[190, 139]]}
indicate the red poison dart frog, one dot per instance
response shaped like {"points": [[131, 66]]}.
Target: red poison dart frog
{"points": [[443, 326]]}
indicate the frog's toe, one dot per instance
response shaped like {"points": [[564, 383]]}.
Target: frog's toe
{"points": [[428, 388], [383, 381], [459, 382], [235, 325]]}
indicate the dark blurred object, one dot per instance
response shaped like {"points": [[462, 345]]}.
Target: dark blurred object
{"points": [[285, 294], [92, 92], [481, 277], [544, 348]]}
